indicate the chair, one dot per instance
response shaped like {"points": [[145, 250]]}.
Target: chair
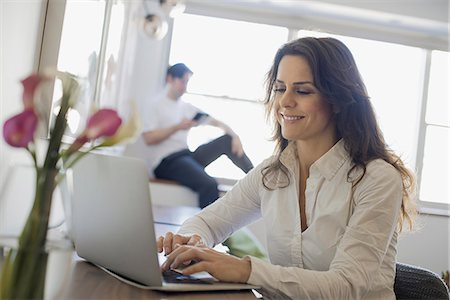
{"points": [[413, 282]]}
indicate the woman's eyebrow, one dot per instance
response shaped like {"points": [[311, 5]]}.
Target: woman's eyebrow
{"points": [[303, 82], [295, 83]]}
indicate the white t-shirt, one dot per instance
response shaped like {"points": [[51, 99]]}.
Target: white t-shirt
{"points": [[348, 250], [165, 113]]}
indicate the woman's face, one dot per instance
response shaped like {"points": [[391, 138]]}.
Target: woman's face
{"points": [[300, 108]]}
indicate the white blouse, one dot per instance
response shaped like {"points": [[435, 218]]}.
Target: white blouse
{"points": [[348, 250]]}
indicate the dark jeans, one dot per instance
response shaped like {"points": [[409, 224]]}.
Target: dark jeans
{"points": [[188, 168]]}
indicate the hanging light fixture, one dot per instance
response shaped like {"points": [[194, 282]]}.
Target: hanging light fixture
{"points": [[155, 24], [173, 8]]}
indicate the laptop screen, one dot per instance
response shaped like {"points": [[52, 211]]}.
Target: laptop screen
{"points": [[112, 216]]}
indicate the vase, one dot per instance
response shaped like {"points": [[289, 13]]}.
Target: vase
{"points": [[24, 269], [58, 256]]}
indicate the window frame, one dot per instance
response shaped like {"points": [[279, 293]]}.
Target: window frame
{"points": [[51, 41], [426, 207]]}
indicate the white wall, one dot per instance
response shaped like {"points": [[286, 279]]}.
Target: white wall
{"points": [[20, 36], [429, 245], [148, 77], [150, 63]]}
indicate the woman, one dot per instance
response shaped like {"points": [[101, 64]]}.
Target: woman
{"points": [[333, 197]]}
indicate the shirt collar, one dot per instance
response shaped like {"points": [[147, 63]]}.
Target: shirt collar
{"points": [[289, 156], [327, 165]]}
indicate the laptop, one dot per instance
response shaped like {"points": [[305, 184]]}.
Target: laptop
{"points": [[113, 226]]}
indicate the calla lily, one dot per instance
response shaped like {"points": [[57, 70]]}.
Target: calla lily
{"points": [[29, 87], [104, 122], [128, 131], [70, 87], [77, 144], [19, 130]]}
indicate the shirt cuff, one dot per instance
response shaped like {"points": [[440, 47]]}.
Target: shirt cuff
{"points": [[264, 274]]}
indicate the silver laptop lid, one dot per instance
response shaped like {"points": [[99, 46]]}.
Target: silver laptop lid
{"points": [[112, 216]]}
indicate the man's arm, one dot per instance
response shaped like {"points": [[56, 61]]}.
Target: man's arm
{"points": [[157, 136]]}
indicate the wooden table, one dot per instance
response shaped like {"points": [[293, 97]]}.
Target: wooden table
{"points": [[85, 281]]}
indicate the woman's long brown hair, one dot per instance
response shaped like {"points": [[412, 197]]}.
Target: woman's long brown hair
{"points": [[337, 78]]}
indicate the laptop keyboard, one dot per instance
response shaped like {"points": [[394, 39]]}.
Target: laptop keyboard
{"points": [[171, 276]]}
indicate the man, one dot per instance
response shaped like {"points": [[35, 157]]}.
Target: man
{"points": [[166, 135]]}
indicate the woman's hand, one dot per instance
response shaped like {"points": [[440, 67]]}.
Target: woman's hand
{"points": [[171, 241], [220, 265]]}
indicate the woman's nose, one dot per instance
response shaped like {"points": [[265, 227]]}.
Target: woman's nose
{"points": [[286, 100]]}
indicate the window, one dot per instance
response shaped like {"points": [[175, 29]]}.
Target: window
{"points": [[229, 60], [78, 54], [252, 129], [91, 45], [394, 75], [434, 185]]}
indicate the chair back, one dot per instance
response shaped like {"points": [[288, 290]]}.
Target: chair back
{"points": [[412, 282]]}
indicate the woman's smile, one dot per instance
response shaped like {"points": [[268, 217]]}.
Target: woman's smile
{"points": [[291, 118]]}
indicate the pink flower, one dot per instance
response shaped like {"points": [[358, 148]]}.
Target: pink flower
{"points": [[77, 144], [19, 130], [29, 87], [104, 122]]}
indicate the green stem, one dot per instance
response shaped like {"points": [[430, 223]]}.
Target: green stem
{"points": [[80, 156], [54, 145], [70, 163], [33, 155], [23, 274]]}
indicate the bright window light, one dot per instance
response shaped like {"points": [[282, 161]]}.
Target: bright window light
{"points": [[438, 90], [81, 36], [435, 174], [230, 60], [78, 54]]}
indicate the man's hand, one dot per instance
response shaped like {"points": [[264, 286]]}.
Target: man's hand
{"points": [[157, 136], [236, 146], [222, 266], [186, 124]]}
